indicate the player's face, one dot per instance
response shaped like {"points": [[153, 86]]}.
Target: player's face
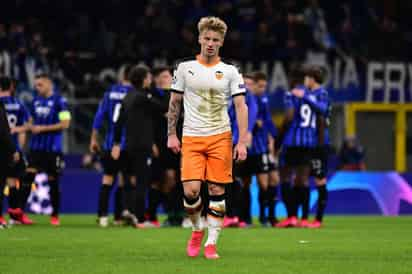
{"points": [[147, 82], [249, 83], [163, 80], [210, 42], [261, 87], [43, 86]]}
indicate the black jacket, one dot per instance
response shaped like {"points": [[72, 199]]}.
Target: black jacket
{"points": [[7, 147], [138, 115]]}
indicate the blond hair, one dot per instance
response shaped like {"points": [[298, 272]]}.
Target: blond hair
{"points": [[212, 23]]}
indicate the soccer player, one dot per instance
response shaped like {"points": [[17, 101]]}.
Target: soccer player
{"points": [[299, 138], [204, 84], [238, 196], [165, 167], [137, 118], [50, 117], [108, 111], [320, 103], [258, 153], [18, 117]]}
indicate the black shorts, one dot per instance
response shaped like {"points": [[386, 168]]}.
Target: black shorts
{"points": [[167, 160], [255, 164], [18, 169], [319, 162], [51, 163], [297, 156], [113, 167]]}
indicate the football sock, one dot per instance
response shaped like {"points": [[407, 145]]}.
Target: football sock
{"points": [[305, 192], [286, 197], [272, 202], [104, 197], [155, 197], [13, 197], [54, 196], [215, 215], [322, 202], [25, 188], [262, 197], [245, 208], [118, 203], [193, 208]]}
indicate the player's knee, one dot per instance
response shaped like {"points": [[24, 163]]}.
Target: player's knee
{"points": [[108, 180], [216, 189], [11, 182], [320, 181], [133, 181], [192, 194]]}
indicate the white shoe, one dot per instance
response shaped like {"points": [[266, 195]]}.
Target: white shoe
{"points": [[187, 223], [104, 221], [129, 217]]}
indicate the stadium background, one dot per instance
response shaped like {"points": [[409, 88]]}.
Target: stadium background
{"points": [[365, 46]]}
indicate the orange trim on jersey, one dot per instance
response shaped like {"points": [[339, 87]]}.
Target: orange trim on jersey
{"points": [[199, 59]]}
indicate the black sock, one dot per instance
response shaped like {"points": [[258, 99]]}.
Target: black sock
{"points": [[104, 197], [55, 196], [286, 197], [294, 201], [13, 197], [322, 202], [245, 208], [272, 199], [155, 197], [305, 202], [25, 188], [141, 190], [118, 203], [130, 198], [262, 197], [204, 194]]}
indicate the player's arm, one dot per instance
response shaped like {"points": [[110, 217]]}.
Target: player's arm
{"points": [[320, 105], [242, 118], [252, 109], [120, 123], [173, 114], [97, 125], [64, 117], [287, 120]]}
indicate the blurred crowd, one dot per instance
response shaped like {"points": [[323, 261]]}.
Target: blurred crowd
{"points": [[57, 36]]}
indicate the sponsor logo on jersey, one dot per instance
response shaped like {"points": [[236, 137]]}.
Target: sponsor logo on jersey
{"points": [[219, 75]]}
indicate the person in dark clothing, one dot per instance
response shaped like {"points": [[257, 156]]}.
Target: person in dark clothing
{"points": [[8, 150], [137, 115]]}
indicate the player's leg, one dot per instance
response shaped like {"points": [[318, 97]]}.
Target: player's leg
{"points": [[2, 186], [273, 196], [55, 164], [263, 197], [155, 194], [119, 199], [320, 170], [142, 171], [233, 198], [170, 190], [218, 173], [104, 196], [302, 192]]}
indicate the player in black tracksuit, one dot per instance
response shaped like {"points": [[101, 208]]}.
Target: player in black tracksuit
{"points": [[137, 116]]}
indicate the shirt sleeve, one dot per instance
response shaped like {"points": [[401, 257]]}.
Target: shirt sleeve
{"points": [[252, 111], [99, 116], [237, 86], [64, 113], [268, 122], [320, 105], [178, 82], [288, 100]]}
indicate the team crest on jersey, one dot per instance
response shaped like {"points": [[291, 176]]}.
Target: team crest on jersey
{"points": [[219, 75]]}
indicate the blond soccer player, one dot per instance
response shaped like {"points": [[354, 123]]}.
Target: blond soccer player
{"points": [[205, 84]]}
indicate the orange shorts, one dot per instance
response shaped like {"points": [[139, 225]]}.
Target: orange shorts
{"points": [[207, 158]]}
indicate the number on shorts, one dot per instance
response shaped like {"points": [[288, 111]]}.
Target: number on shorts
{"points": [[12, 120]]}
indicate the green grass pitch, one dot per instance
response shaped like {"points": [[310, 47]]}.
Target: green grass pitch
{"points": [[345, 245]]}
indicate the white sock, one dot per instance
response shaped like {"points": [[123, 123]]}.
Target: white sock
{"points": [[194, 211], [215, 221]]}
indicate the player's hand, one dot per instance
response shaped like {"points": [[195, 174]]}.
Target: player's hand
{"points": [[155, 151], [116, 152], [240, 152], [94, 146], [259, 123], [37, 129], [173, 143], [13, 130], [16, 156], [298, 92]]}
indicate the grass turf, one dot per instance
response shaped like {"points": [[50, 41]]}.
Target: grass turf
{"points": [[345, 245]]}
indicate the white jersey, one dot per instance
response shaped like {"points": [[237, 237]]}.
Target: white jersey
{"points": [[206, 92]]}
